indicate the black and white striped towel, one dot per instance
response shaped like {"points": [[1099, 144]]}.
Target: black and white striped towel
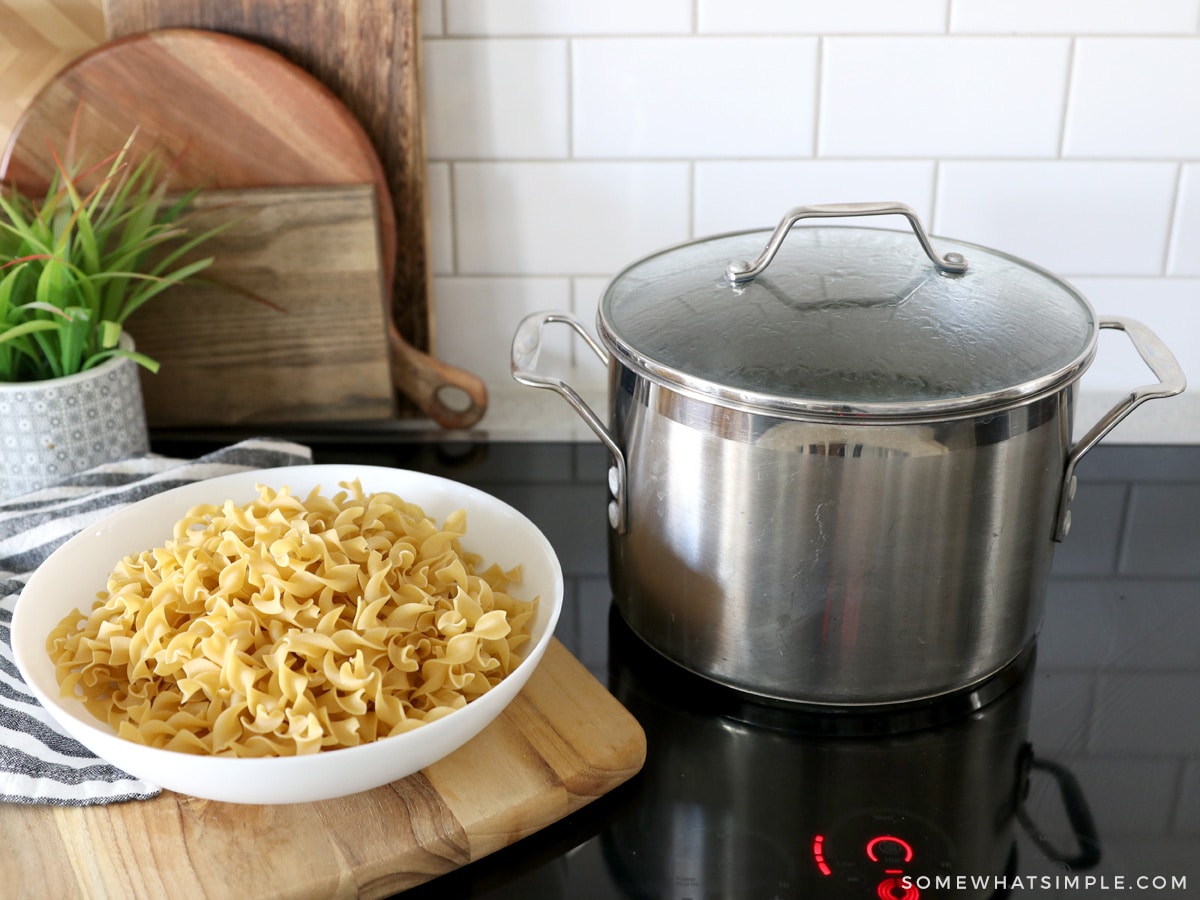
{"points": [[39, 763]]}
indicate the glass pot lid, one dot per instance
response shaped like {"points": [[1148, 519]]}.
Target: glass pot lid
{"points": [[848, 320]]}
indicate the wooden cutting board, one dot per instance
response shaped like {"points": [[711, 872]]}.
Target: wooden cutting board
{"points": [[563, 742], [369, 54], [290, 322], [231, 113], [226, 113]]}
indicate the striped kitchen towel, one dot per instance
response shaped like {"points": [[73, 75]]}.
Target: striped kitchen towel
{"points": [[39, 763]]}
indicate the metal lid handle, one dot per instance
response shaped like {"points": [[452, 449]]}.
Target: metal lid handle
{"points": [[740, 271]]}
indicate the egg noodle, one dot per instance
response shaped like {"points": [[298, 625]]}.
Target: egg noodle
{"points": [[288, 626]]}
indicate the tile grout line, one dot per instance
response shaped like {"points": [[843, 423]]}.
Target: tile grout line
{"points": [[818, 102], [1173, 216], [570, 79], [452, 203], [935, 193], [1069, 83]]}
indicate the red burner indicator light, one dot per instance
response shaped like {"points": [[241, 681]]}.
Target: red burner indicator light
{"points": [[891, 850], [895, 889], [819, 855], [890, 847]]}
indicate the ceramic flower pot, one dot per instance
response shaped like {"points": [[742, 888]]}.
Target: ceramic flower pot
{"points": [[52, 429]]}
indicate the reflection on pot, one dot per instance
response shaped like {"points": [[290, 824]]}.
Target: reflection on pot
{"points": [[887, 804]]}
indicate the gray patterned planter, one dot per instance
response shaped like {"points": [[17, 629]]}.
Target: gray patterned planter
{"points": [[52, 429]]}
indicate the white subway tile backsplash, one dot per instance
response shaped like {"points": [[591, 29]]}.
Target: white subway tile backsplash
{"points": [[1185, 238], [568, 139], [477, 318], [1074, 17], [441, 219], [693, 97], [1074, 218], [821, 17], [731, 196], [566, 218], [562, 17], [430, 12], [942, 96], [1160, 303], [586, 294], [496, 99], [585, 298], [1134, 97], [590, 373]]}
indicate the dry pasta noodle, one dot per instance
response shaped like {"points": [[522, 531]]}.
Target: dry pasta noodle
{"points": [[288, 626]]}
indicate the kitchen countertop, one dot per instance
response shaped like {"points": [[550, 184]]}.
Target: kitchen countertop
{"points": [[732, 803]]}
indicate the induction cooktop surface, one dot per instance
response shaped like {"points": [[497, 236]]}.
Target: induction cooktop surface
{"points": [[1075, 772]]}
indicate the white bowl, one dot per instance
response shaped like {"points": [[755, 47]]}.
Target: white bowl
{"points": [[73, 574]]}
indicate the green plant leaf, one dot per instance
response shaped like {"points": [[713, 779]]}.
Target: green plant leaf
{"points": [[50, 358], [110, 334], [140, 358], [26, 328], [51, 281], [8, 288], [22, 221], [20, 356], [47, 307], [74, 338], [104, 240], [153, 285]]}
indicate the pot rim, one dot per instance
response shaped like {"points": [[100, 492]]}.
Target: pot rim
{"points": [[854, 413], [801, 407]]}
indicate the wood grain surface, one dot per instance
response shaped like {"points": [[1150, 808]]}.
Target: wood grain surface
{"points": [[224, 112], [290, 324], [37, 39], [368, 52], [563, 742]]}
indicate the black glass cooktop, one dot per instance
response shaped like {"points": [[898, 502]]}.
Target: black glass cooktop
{"points": [[1077, 773]]}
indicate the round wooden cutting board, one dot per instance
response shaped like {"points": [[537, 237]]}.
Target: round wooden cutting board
{"points": [[226, 112]]}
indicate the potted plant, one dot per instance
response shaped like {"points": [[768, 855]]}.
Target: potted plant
{"points": [[74, 266]]}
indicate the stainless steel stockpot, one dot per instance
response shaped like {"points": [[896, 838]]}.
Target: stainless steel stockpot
{"points": [[839, 471]]}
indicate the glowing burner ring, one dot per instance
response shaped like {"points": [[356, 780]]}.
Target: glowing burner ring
{"points": [[888, 839], [895, 889]]}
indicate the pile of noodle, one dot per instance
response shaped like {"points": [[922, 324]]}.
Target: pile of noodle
{"points": [[288, 626]]}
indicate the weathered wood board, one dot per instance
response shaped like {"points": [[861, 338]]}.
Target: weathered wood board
{"points": [[317, 351], [563, 742]]}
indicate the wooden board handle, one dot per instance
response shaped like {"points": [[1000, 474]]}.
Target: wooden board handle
{"points": [[425, 381]]}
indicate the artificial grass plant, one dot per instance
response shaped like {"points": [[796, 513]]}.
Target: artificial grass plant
{"points": [[75, 265]]}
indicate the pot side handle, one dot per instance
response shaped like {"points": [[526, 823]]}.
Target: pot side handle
{"points": [[526, 348], [1171, 381]]}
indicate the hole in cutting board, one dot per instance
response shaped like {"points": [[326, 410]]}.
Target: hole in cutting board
{"points": [[453, 398]]}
